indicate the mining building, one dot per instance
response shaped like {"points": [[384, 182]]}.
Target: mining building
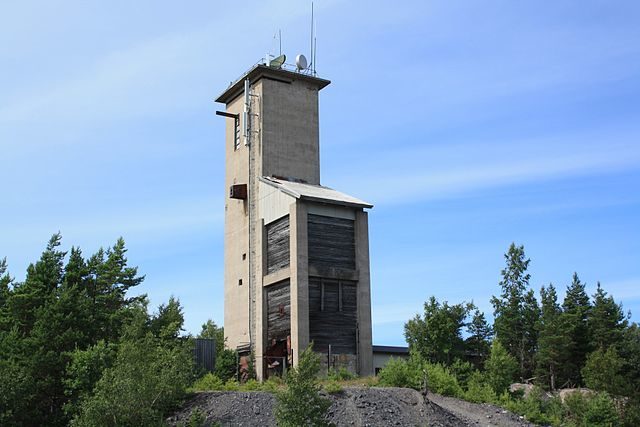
{"points": [[296, 253]]}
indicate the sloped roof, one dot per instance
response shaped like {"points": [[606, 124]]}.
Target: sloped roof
{"points": [[315, 193]]}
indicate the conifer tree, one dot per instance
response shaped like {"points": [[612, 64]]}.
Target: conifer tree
{"points": [[576, 311], [478, 343], [516, 310], [607, 321], [552, 339]]}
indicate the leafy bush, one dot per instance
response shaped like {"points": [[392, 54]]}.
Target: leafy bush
{"points": [[463, 371], [400, 373], [478, 390], [603, 371], [300, 404], [84, 371], [147, 380], [441, 380], [601, 411], [333, 387], [341, 374], [538, 408], [273, 384], [209, 382]]}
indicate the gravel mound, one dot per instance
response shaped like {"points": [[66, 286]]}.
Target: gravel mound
{"points": [[354, 406]]}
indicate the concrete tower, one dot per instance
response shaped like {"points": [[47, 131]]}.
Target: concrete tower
{"points": [[296, 253]]}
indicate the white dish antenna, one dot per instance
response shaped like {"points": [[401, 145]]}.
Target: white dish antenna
{"points": [[277, 62], [301, 62]]}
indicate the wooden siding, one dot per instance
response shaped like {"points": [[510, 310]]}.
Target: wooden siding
{"points": [[278, 311], [331, 242], [333, 315], [278, 244]]}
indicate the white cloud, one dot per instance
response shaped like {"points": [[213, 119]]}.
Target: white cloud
{"points": [[407, 175]]}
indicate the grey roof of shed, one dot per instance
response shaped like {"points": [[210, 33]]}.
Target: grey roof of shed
{"points": [[315, 193]]}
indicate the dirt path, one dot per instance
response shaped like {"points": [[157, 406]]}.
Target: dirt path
{"points": [[480, 414]]}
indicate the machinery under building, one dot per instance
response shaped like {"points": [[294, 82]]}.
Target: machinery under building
{"points": [[296, 253]]}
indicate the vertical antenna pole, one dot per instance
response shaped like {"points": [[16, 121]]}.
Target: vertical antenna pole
{"points": [[311, 41], [280, 38]]}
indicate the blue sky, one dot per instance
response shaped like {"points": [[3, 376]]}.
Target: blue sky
{"points": [[469, 126]]}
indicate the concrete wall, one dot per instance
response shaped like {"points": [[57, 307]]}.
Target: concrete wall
{"points": [[365, 352], [299, 280], [236, 238], [381, 359], [290, 135]]}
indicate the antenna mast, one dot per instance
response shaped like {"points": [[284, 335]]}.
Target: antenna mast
{"points": [[313, 60]]}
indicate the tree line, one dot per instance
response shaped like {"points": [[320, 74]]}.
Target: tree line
{"points": [[76, 349], [583, 341]]}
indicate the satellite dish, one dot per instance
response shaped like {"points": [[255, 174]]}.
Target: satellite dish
{"points": [[278, 61], [301, 62]]}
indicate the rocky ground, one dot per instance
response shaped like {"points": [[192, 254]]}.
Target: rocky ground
{"points": [[355, 406]]}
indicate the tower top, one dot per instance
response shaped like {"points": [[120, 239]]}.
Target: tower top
{"points": [[260, 71]]}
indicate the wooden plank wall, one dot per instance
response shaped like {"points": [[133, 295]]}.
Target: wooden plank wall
{"points": [[333, 315], [278, 244], [278, 311], [331, 242]]}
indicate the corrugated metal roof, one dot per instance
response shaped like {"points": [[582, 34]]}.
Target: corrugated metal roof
{"points": [[315, 193]]}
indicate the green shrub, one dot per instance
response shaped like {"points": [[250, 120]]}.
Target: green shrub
{"points": [[226, 365], [601, 411], [478, 390], [147, 380], [575, 406], [196, 419], [341, 374], [500, 368], [400, 373], [251, 385], [209, 382], [603, 371], [440, 380], [333, 387], [463, 371], [300, 404], [272, 385], [536, 407], [232, 385]]}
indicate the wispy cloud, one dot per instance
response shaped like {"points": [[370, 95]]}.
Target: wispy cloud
{"points": [[412, 174]]}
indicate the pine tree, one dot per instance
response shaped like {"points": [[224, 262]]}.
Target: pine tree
{"points": [[478, 343], [43, 277], [530, 320], [57, 310], [500, 368], [516, 311], [552, 339], [607, 321], [576, 311], [5, 282]]}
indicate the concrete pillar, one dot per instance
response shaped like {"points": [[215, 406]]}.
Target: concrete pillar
{"points": [[299, 279], [261, 307], [365, 351]]}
